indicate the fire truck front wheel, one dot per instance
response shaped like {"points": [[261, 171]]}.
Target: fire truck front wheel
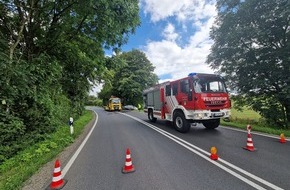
{"points": [[211, 124], [150, 116], [180, 123]]}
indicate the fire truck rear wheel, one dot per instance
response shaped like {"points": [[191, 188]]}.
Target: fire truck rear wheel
{"points": [[212, 124], [151, 117], [180, 123]]}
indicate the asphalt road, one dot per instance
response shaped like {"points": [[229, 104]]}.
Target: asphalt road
{"points": [[166, 159]]}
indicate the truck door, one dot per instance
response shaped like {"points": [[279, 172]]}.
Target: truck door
{"points": [[185, 94]]}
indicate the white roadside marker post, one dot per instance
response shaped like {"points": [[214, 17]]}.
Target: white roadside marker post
{"points": [[71, 121]]}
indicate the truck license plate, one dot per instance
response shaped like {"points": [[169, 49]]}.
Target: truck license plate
{"points": [[218, 114]]}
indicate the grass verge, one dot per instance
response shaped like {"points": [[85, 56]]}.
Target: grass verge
{"points": [[256, 127], [15, 171], [240, 119]]}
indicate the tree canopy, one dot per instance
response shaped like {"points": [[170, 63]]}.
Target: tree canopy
{"points": [[51, 52], [133, 74], [252, 49]]}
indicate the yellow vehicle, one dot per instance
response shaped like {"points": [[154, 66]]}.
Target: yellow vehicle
{"points": [[114, 104]]}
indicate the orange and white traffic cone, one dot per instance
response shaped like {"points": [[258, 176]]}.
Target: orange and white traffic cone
{"points": [[213, 154], [282, 138], [57, 181], [128, 168], [250, 144]]}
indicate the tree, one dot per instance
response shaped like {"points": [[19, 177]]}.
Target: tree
{"points": [[112, 65], [252, 49], [134, 74], [51, 52]]}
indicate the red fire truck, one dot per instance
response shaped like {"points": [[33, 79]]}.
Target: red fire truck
{"points": [[197, 98]]}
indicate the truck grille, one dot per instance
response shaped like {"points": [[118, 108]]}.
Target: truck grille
{"points": [[214, 104]]}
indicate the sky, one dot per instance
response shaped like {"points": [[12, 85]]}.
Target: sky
{"points": [[174, 35]]}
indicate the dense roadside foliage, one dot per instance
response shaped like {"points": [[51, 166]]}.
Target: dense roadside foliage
{"points": [[252, 49], [51, 52], [16, 170], [94, 101], [133, 74]]}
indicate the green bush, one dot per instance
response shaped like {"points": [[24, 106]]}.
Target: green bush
{"points": [[40, 121], [11, 129], [15, 170], [94, 101]]}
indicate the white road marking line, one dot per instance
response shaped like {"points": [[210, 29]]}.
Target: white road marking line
{"points": [[253, 132], [199, 152], [71, 161]]}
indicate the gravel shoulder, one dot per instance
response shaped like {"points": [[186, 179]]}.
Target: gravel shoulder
{"points": [[43, 177]]}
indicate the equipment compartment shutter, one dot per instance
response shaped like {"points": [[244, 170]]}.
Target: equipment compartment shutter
{"points": [[150, 99], [157, 103]]}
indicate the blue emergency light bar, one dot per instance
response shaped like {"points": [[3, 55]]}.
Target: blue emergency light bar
{"points": [[191, 74]]}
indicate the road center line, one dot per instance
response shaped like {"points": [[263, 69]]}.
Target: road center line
{"points": [[204, 154]]}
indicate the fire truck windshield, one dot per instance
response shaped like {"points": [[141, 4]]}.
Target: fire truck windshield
{"points": [[204, 85], [116, 101]]}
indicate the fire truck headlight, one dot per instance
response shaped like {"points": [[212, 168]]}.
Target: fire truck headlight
{"points": [[199, 115]]}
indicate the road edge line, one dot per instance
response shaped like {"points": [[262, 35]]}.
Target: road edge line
{"points": [[73, 158]]}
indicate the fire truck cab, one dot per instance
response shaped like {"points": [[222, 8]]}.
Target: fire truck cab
{"points": [[114, 104], [197, 98]]}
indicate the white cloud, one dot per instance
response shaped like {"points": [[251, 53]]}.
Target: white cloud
{"points": [[164, 8], [169, 33], [169, 58], [182, 9], [167, 55], [201, 37]]}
